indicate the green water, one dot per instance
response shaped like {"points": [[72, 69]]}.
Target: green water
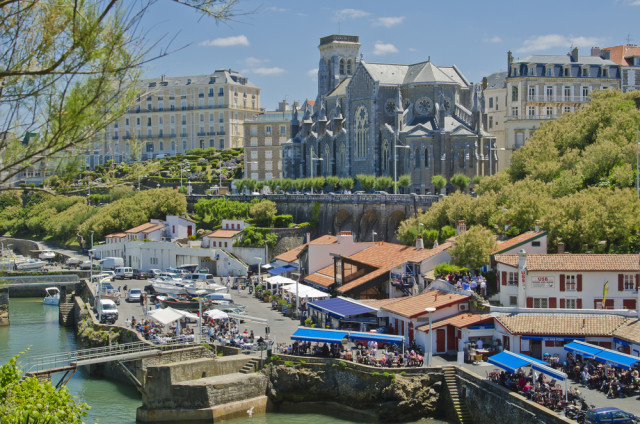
{"points": [[35, 326]]}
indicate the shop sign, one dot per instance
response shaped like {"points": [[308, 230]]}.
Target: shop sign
{"points": [[542, 282]]}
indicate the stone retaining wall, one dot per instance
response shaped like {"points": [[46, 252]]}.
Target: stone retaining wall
{"points": [[4, 306]]}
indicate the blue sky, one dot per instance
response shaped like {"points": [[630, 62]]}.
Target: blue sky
{"points": [[274, 43]]}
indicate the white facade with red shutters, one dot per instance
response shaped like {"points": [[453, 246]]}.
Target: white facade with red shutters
{"points": [[568, 281]]}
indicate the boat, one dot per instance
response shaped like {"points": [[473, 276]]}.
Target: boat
{"points": [[47, 255], [52, 297], [30, 264], [183, 303], [168, 286], [200, 286], [73, 261]]}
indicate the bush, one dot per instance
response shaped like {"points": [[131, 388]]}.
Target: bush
{"points": [[282, 221]]}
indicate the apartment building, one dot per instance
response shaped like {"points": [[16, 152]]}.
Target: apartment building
{"points": [[175, 114], [628, 57], [495, 110], [264, 136], [543, 87]]}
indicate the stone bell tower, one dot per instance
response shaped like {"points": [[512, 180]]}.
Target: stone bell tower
{"points": [[338, 56]]}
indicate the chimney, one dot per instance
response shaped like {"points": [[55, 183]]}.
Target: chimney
{"points": [[509, 61], [522, 279], [560, 247], [507, 225], [308, 237], [595, 51], [522, 259], [537, 227], [419, 242], [574, 54], [462, 227]]}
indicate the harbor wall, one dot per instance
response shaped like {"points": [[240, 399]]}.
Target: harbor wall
{"points": [[4, 305]]}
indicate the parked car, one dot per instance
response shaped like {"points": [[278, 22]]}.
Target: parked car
{"points": [[134, 295], [140, 274], [111, 275], [609, 415], [124, 272], [85, 265], [154, 272]]}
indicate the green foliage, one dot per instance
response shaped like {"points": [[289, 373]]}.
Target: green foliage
{"points": [[256, 237], [472, 248], [347, 183], [447, 232], [460, 181], [367, 182], [182, 189], [315, 214], [404, 181], [282, 221], [383, 183], [263, 213], [36, 402], [446, 269], [213, 211], [333, 181], [438, 182]]}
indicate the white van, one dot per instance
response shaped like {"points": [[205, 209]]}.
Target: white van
{"points": [[107, 311], [197, 276], [124, 272], [111, 263]]}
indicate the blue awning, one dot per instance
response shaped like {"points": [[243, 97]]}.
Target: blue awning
{"points": [[282, 269], [616, 359], [585, 349], [341, 308], [557, 374], [512, 361], [319, 335], [378, 337]]}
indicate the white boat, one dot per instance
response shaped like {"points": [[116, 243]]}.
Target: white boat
{"points": [[168, 286], [30, 264], [47, 255], [73, 261], [200, 286], [52, 297]]}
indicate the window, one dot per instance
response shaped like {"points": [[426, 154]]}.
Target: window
{"points": [[490, 122], [540, 302], [426, 157], [549, 92], [629, 283], [138, 121], [212, 143], [514, 111], [585, 92], [126, 121], [148, 122], [570, 304], [173, 146], [570, 283], [549, 111], [567, 109], [149, 147], [531, 111], [283, 130], [512, 279], [341, 66], [183, 105], [184, 145], [211, 117], [513, 300], [173, 119], [585, 72], [201, 117], [549, 72], [221, 91], [160, 132], [268, 130], [160, 120], [567, 92], [605, 73], [532, 71], [385, 156], [566, 72], [362, 131], [532, 92], [349, 66], [161, 146], [535, 244], [490, 102], [514, 94], [221, 143]]}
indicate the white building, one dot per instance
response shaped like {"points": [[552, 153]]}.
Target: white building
{"points": [[173, 228], [226, 235]]}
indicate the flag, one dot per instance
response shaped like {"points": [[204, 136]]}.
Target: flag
{"points": [[605, 290]]}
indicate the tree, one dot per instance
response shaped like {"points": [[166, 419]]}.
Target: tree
{"points": [[472, 248], [347, 183], [382, 183], [68, 70], [438, 182], [30, 400], [404, 181], [460, 181], [333, 181], [367, 182], [263, 213]]}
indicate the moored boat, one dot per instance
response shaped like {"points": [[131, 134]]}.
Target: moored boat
{"points": [[184, 303], [30, 264], [47, 255], [52, 297]]}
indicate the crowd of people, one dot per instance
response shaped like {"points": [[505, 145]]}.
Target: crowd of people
{"points": [[227, 333], [534, 386], [467, 281], [614, 382]]}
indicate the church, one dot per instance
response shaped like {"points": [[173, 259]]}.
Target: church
{"points": [[388, 120]]}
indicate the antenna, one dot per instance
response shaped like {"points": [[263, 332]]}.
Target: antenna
{"points": [[338, 27], [628, 39]]}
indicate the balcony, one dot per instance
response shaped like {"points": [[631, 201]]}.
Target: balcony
{"points": [[558, 99], [531, 117]]}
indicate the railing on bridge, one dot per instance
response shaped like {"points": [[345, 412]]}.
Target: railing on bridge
{"points": [[61, 361]]}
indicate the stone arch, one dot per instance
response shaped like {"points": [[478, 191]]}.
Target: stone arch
{"points": [[342, 221], [393, 223], [368, 223]]}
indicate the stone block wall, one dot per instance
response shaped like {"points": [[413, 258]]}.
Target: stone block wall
{"points": [[4, 305]]}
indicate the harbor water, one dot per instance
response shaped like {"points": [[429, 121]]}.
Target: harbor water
{"points": [[34, 326]]}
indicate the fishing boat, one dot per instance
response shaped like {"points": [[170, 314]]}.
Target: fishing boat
{"points": [[52, 297], [47, 255], [30, 265], [168, 285]]}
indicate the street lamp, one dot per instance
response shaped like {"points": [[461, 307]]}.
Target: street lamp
{"points": [[373, 236], [259, 266], [395, 163], [429, 310], [491, 150]]}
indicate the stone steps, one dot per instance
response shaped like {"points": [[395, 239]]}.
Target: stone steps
{"points": [[250, 367], [65, 312], [462, 413]]}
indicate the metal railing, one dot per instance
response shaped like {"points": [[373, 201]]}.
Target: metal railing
{"points": [[40, 363]]}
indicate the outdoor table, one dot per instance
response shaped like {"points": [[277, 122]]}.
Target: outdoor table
{"points": [[483, 352]]}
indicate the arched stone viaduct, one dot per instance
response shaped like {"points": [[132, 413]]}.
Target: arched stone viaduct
{"points": [[362, 214]]}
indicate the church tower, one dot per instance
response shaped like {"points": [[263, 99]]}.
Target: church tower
{"points": [[338, 56]]}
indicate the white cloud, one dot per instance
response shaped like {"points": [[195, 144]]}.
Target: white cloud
{"points": [[278, 9], [635, 3], [413, 49], [254, 61], [344, 14], [390, 21], [268, 71], [313, 74], [236, 40], [380, 48], [549, 41], [494, 39]]}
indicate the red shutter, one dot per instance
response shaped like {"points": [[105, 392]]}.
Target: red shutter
{"points": [[529, 302], [629, 303], [608, 304], [579, 282], [504, 278], [637, 281], [578, 303], [562, 303], [552, 302], [620, 282], [561, 282]]}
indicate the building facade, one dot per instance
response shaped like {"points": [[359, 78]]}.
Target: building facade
{"points": [[628, 57], [264, 136], [495, 112], [387, 120], [175, 114], [540, 88]]}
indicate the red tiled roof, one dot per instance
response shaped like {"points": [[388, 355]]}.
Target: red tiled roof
{"points": [[514, 241], [116, 235], [378, 303], [327, 239], [414, 306], [223, 234], [141, 228], [291, 255], [629, 330], [459, 321], [549, 324], [321, 278], [575, 262]]}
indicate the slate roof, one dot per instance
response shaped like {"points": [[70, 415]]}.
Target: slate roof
{"points": [[341, 89], [550, 324], [629, 330], [564, 59], [393, 74], [223, 234], [575, 262], [219, 76], [514, 241], [414, 306], [497, 80], [459, 321]]}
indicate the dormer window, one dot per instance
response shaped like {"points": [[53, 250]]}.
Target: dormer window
{"points": [[532, 71], [549, 71], [566, 71], [585, 71], [514, 71], [605, 72]]}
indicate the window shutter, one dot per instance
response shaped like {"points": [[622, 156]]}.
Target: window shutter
{"points": [[579, 303], [620, 282], [529, 302], [637, 281], [552, 302], [629, 303], [561, 282], [562, 304], [579, 279], [504, 278]]}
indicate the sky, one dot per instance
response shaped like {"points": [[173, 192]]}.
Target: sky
{"points": [[275, 43]]}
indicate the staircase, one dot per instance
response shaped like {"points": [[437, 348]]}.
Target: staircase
{"points": [[251, 366], [65, 312], [462, 413]]}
